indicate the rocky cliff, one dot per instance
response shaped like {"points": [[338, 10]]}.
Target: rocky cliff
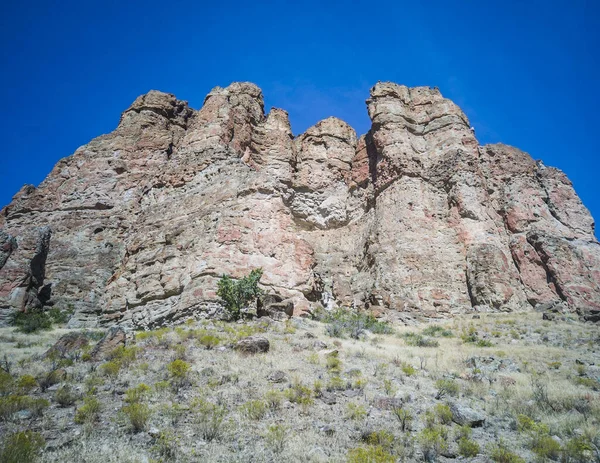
{"points": [[414, 217]]}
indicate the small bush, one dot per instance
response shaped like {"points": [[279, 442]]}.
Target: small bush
{"points": [[443, 413], [404, 416], [209, 341], [236, 295], [370, 454], [380, 438], [254, 409], [341, 322], [446, 387], [32, 321], [545, 447], [7, 383], [467, 447], [111, 368], [14, 403], [273, 399], [21, 447], [276, 437], [501, 454], [414, 339], [577, 450], [355, 411], [138, 415], [89, 411], [209, 419], [179, 371], [437, 331], [408, 369], [299, 394], [433, 441], [137, 394], [27, 383], [166, 446], [64, 397]]}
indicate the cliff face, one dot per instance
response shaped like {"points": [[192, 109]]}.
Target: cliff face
{"points": [[413, 217]]}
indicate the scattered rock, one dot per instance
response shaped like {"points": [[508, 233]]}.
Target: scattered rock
{"points": [[328, 398], [115, 337], [387, 403], [277, 376], [252, 345], [463, 415], [275, 307], [67, 344]]}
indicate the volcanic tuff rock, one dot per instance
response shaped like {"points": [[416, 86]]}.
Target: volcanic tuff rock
{"points": [[412, 217]]}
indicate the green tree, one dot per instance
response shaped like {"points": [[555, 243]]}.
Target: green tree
{"points": [[237, 294]]}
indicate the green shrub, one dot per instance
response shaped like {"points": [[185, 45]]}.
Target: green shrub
{"points": [[21, 447], [370, 454], [355, 411], [299, 394], [111, 368], [433, 441], [443, 413], [254, 409], [137, 394], [124, 355], [446, 387], [408, 369], [7, 383], [14, 403], [209, 341], [380, 438], [343, 322], [237, 294], [501, 454], [27, 383], [404, 416], [484, 343], [208, 418], [577, 450], [437, 331], [89, 411], [414, 339], [32, 321], [166, 446], [276, 437], [179, 371], [60, 317], [545, 447], [64, 397], [138, 415], [273, 399], [467, 447]]}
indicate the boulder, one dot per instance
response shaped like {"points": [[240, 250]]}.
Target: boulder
{"points": [[463, 415], [252, 345], [67, 344], [115, 337]]}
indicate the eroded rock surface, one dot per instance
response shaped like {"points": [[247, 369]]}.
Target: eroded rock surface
{"points": [[414, 217]]}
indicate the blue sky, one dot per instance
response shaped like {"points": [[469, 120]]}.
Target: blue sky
{"points": [[526, 73]]}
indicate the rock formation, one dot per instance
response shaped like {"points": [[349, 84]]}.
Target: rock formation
{"points": [[414, 217]]}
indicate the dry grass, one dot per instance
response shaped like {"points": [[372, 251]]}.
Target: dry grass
{"points": [[229, 397]]}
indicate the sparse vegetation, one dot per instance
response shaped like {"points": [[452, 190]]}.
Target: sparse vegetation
{"points": [[194, 401], [21, 447]]}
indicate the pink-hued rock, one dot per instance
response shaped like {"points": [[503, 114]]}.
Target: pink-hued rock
{"points": [[413, 216]]}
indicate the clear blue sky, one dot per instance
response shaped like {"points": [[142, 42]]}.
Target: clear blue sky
{"points": [[525, 72]]}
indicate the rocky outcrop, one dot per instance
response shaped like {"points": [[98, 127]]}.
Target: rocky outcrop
{"points": [[412, 218]]}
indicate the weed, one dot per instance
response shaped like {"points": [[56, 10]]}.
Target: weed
{"points": [[137, 394], [209, 419], [414, 339], [433, 441], [437, 331], [273, 399], [254, 409], [89, 411], [21, 447], [276, 437], [64, 397], [370, 454], [179, 371], [405, 417], [443, 413], [138, 415], [500, 453], [355, 411], [467, 447], [446, 387], [408, 369]]}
